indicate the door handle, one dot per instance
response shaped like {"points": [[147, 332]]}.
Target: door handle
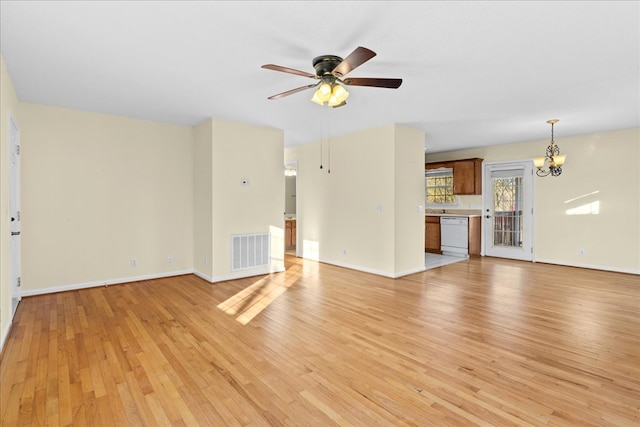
{"points": [[487, 216], [15, 233]]}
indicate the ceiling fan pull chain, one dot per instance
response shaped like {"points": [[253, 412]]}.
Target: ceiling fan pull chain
{"points": [[329, 143], [320, 144]]}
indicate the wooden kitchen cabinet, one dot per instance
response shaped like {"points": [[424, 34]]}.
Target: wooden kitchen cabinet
{"points": [[290, 234], [474, 235], [432, 234], [467, 175]]}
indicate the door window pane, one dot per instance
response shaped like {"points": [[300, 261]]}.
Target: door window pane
{"points": [[507, 211]]}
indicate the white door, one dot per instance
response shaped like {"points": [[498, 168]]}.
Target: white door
{"points": [[508, 210], [14, 213]]}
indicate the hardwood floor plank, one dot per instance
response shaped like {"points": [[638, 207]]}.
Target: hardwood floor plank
{"points": [[485, 341]]}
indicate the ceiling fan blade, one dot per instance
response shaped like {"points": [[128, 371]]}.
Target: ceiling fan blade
{"points": [[292, 91], [288, 70], [356, 58], [375, 82]]}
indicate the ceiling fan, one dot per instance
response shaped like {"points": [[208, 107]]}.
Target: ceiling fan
{"points": [[330, 73]]}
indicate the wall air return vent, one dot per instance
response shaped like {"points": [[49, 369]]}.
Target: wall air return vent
{"points": [[250, 251]]}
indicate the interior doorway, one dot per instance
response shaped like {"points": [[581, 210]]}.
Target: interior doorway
{"points": [[507, 208], [291, 207]]}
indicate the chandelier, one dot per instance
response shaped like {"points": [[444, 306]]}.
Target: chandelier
{"points": [[553, 159], [330, 93]]}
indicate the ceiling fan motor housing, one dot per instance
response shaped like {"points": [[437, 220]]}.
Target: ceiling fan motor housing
{"points": [[325, 64]]}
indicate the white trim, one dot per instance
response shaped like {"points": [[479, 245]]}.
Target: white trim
{"points": [[94, 284], [15, 259], [589, 266], [409, 272], [5, 334], [97, 283], [372, 271], [203, 276], [243, 274]]}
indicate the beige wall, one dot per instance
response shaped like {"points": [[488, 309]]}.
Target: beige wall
{"points": [[409, 194], [203, 199], [99, 191], [601, 168], [351, 215], [8, 105], [255, 154]]}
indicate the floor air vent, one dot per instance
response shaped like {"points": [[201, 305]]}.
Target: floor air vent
{"points": [[249, 251]]}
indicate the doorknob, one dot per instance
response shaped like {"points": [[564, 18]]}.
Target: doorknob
{"points": [[487, 216], [12, 219]]}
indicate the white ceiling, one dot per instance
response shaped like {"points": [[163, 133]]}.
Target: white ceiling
{"points": [[475, 73]]}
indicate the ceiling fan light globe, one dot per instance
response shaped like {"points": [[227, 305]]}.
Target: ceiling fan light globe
{"points": [[316, 98], [340, 94], [324, 92], [333, 101], [338, 90]]}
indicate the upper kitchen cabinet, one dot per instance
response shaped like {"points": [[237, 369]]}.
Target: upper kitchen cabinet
{"points": [[467, 175]]}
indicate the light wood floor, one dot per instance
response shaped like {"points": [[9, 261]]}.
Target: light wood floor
{"points": [[481, 342]]}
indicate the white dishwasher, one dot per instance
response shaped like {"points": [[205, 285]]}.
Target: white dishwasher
{"points": [[454, 235]]}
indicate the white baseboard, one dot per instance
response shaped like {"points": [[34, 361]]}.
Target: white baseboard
{"points": [[373, 271], [94, 284], [203, 276], [589, 266], [245, 273], [409, 272], [5, 335], [97, 283]]}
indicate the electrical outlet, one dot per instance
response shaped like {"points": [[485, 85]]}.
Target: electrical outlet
{"points": [[581, 252], [134, 263], [170, 259], [344, 252]]}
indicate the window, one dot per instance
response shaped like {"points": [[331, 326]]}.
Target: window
{"points": [[439, 186]]}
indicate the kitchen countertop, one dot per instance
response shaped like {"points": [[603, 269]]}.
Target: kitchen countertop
{"points": [[454, 212], [450, 214]]}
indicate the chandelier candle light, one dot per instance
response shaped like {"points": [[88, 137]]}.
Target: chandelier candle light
{"points": [[553, 158]]}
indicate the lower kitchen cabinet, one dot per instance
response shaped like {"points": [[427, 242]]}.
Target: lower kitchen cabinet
{"points": [[432, 234], [474, 235]]}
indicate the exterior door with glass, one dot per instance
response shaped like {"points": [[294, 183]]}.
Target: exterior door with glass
{"points": [[508, 210]]}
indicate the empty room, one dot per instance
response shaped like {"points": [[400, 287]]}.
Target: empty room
{"points": [[263, 213]]}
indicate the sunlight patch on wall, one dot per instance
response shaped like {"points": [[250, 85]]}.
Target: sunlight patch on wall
{"points": [[589, 208], [592, 208], [277, 242], [311, 250]]}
